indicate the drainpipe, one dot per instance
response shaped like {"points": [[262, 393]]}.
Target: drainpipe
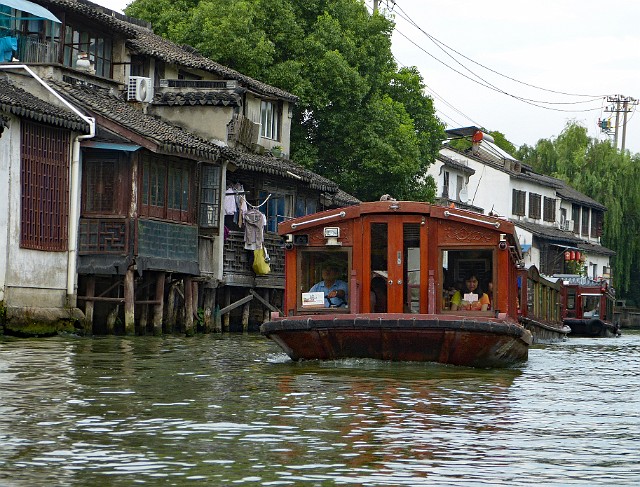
{"points": [[74, 210]]}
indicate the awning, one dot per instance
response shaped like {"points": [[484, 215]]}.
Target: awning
{"points": [[31, 8], [111, 146]]}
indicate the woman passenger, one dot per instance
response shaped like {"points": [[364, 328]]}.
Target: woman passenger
{"points": [[479, 300]]}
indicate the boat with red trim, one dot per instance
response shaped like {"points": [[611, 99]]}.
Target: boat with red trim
{"points": [[401, 281]]}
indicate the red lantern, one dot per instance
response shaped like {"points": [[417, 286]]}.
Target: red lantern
{"points": [[577, 255], [477, 136], [567, 255], [573, 255]]}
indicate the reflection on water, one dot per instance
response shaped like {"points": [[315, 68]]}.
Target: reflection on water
{"points": [[235, 410]]}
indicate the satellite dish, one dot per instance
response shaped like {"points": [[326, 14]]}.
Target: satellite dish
{"points": [[464, 195]]}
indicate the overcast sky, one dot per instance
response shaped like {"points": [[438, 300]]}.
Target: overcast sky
{"points": [[576, 47]]}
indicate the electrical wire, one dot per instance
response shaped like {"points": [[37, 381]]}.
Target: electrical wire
{"points": [[439, 43]]}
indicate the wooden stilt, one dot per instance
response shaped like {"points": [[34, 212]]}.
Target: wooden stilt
{"points": [[209, 304], [195, 296], [143, 310], [246, 307], [226, 302], [129, 302], [170, 314], [188, 306], [158, 308], [89, 305]]}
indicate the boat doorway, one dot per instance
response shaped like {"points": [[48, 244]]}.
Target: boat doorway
{"points": [[392, 264]]}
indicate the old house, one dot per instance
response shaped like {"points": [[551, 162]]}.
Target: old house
{"points": [[554, 221], [151, 246]]}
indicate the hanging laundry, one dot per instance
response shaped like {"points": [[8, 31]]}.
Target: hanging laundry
{"points": [[230, 206], [254, 221]]}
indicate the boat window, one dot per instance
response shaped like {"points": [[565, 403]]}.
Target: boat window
{"points": [[323, 280], [590, 306], [571, 298], [467, 280]]}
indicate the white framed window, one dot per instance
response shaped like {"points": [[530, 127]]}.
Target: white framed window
{"points": [[270, 120]]}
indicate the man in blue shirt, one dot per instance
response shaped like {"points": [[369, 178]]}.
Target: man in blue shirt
{"points": [[335, 290]]}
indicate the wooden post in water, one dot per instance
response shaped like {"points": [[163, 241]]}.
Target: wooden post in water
{"points": [[89, 305], [195, 297], [188, 305], [209, 305], [226, 302], [246, 307], [170, 314], [158, 308], [129, 301]]}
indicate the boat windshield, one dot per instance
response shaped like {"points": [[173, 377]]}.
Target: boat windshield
{"points": [[323, 280], [467, 282]]}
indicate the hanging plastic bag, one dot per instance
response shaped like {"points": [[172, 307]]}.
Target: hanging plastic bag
{"points": [[260, 265]]}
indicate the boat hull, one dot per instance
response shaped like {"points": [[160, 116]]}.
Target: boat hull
{"points": [[592, 328], [546, 332], [420, 338]]}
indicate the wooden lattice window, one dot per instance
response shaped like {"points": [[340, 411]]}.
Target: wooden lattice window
{"points": [[44, 176], [100, 185], [597, 218], [166, 190]]}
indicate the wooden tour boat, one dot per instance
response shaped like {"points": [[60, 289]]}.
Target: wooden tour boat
{"points": [[589, 306], [390, 278], [541, 306]]}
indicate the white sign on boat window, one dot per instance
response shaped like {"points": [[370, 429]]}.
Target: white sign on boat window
{"points": [[313, 300]]}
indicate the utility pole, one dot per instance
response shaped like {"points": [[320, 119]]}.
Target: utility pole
{"points": [[621, 104]]}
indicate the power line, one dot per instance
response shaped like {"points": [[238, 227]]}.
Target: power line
{"points": [[406, 17]]}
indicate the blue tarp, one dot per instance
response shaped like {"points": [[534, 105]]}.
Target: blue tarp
{"points": [[30, 8], [8, 45]]}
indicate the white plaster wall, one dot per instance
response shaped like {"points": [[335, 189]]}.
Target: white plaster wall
{"points": [[5, 158], [209, 122], [32, 278]]}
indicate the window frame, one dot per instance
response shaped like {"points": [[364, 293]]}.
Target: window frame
{"points": [[518, 202], [210, 196], [535, 204], [157, 190], [549, 209], [270, 119]]}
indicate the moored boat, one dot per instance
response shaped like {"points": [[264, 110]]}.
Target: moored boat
{"points": [[540, 306], [589, 306], [404, 281]]}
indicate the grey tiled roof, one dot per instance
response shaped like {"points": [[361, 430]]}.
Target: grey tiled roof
{"points": [[447, 161], [279, 167], [570, 194], [169, 138], [197, 98], [150, 44], [18, 102], [560, 236], [142, 40]]}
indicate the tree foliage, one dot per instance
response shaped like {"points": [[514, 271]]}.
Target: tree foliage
{"points": [[361, 121], [607, 175]]}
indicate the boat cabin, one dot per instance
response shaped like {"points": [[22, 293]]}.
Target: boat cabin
{"points": [[539, 296], [400, 257], [586, 298]]}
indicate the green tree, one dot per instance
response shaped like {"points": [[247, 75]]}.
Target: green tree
{"points": [[361, 121]]}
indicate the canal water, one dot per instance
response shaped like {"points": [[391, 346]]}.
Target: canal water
{"points": [[234, 410]]}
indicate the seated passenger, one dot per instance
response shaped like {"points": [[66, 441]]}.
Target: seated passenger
{"points": [[471, 297], [335, 290]]}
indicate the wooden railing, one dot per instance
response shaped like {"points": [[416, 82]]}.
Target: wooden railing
{"points": [[236, 266]]}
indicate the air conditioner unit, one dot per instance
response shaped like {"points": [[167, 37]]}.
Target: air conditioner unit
{"points": [[140, 89]]}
